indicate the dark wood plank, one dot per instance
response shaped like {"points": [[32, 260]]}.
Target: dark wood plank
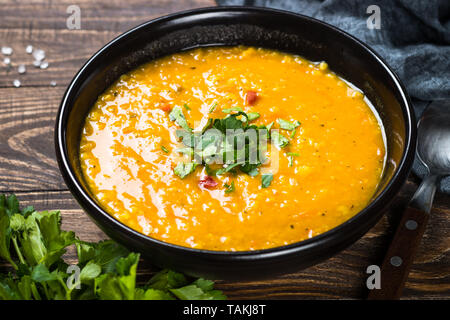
{"points": [[342, 276], [27, 157], [111, 15], [43, 25]]}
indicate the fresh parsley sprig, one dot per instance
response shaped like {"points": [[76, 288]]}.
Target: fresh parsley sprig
{"points": [[235, 150], [33, 244]]}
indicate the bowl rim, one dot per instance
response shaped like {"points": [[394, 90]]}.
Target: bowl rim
{"points": [[96, 212]]}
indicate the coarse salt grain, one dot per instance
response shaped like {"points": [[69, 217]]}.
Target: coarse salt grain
{"points": [[44, 65], [16, 83], [7, 51], [29, 49], [7, 61], [39, 54], [36, 63], [21, 68], [53, 83]]}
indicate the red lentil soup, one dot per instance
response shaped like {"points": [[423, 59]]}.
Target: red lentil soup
{"points": [[327, 140]]}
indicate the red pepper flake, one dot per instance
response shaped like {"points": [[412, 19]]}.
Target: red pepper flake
{"points": [[207, 183], [164, 106], [251, 97]]}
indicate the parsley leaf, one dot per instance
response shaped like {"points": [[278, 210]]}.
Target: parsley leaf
{"points": [[187, 151], [292, 135], [266, 180], [228, 168], [152, 294], [253, 116], [177, 115], [212, 108], [186, 137], [164, 149], [121, 284], [210, 171], [229, 187], [200, 290], [167, 279], [104, 253], [291, 156], [5, 238], [232, 109], [286, 125], [278, 139], [183, 169]]}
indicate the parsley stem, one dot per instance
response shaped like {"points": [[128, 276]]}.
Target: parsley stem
{"points": [[68, 291], [35, 291], [19, 253], [13, 264], [44, 285]]}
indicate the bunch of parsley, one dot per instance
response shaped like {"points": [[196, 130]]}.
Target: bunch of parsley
{"points": [[33, 244]]}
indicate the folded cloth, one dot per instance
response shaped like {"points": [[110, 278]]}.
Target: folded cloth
{"points": [[413, 37]]}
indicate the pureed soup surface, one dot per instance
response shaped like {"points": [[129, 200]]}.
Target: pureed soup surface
{"points": [[326, 172]]}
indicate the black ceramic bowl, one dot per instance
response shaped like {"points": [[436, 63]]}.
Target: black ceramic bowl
{"points": [[273, 29]]}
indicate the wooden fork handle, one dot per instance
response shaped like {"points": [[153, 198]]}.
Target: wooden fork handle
{"points": [[400, 255]]}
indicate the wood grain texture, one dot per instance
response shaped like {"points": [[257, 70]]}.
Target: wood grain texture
{"points": [[27, 156], [42, 23], [66, 51], [105, 15], [28, 165]]}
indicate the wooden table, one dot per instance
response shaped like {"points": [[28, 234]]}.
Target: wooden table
{"points": [[28, 166]]}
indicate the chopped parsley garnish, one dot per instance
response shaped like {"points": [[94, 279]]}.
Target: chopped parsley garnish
{"points": [[292, 135], [212, 108], [209, 171], [253, 116], [228, 168], [266, 180], [278, 139], [183, 169], [253, 172], [269, 129], [164, 149], [231, 144], [286, 125], [187, 151], [291, 156], [296, 124], [229, 187], [290, 161], [186, 106], [233, 109], [177, 115]]}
